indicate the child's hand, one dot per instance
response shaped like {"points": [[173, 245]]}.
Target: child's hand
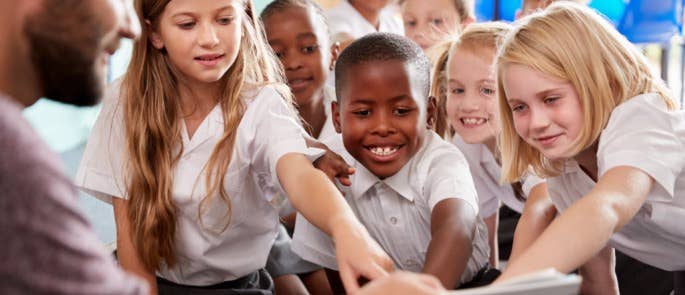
{"points": [[358, 255], [404, 283], [334, 166]]}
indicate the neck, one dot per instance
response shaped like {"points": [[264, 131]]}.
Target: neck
{"points": [[587, 159], [372, 16], [314, 114], [197, 98]]}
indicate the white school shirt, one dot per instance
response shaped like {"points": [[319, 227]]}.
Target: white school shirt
{"points": [[486, 174], [641, 133], [397, 210], [345, 19], [206, 255]]}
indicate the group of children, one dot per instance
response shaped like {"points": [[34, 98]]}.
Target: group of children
{"points": [[201, 142]]}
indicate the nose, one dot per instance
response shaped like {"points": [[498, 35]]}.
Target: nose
{"points": [[469, 103], [291, 62], [383, 124], [539, 119], [208, 37], [130, 26]]}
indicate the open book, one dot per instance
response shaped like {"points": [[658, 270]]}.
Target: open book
{"points": [[546, 282]]}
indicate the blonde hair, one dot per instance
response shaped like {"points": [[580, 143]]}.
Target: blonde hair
{"points": [[475, 38], [151, 107], [571, 42]]}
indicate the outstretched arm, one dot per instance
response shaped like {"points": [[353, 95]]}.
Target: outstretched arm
{"points": [[586, 226], [538, 213], [319, 201], [453, 222]]}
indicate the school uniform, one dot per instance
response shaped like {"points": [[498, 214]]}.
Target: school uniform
{"points": [[396, 211], [282, 260], [345, 19], [207, 253], [643, 134]]}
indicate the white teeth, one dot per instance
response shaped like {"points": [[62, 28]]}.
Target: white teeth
{"points": [[473, 121], [383, 151]]}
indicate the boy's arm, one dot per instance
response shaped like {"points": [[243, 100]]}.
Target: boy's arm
{"points": [[492, 224], [319, 201], [333, 277], [453, 223], [538, 213], [598, 274]]}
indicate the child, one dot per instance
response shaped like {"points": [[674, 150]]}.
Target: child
{"points": [[580, 105], [353, 19], [411, 190], [530, 6], [428, 22], [298, 33], [194, 153], [471, 109]]}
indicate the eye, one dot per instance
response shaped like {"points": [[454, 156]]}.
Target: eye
{"points": [[518, 108], [310, 49], [487, 91], [457, 90], [225, 20], [410, 23], [401, 111], [362, 113], [186, 25], [550, 100], [437, 21]]}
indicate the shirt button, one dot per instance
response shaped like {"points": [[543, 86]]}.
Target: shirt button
{"points": [[410, 262], [393, 220]]}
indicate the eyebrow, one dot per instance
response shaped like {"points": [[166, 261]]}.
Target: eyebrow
{"points": [[306, 36], [363, 100], [188, 13], [540, 94]]}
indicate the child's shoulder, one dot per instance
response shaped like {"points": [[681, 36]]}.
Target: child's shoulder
{"points": [[437, 154], [645, 110]]}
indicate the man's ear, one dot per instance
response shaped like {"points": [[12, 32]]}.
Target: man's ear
{"points": [[154, 36], [335, 112], [431, 112], [335, 51]]}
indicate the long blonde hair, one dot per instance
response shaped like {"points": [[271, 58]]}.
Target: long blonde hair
{"points": [[151, 106], [573, 43]]}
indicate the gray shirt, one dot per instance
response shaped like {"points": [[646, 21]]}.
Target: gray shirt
{"points": [[47, 246]]}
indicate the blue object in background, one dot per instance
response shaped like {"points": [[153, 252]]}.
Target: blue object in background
{"points": [[485, 10], [507, 9], [652, 21], [611, 9]]}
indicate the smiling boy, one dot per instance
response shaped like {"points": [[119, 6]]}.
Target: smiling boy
{"points": [[412, 191]]}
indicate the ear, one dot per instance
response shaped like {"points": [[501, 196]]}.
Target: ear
{"points": [[335, 112], [154, 36], [335, 51], [431, 112], [467, 21]]}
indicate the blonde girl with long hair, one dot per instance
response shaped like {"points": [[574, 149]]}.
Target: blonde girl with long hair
{"points": [[195, 149], [580, 105]]}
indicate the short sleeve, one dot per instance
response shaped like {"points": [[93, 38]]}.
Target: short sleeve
{"points": [[313, 245], [101, 171], [529, 181], [277, 132], [642, 133], [449, 177]]}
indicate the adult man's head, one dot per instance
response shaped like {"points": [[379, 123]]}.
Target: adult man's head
{"points": [[59, 48]]}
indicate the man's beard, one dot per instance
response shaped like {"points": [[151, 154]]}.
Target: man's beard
{"points": [[64, 39]]}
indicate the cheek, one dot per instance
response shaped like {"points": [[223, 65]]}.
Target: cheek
{"points": [[521, 126]]}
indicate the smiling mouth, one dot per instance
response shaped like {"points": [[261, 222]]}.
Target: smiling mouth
{"points": [[209, 59], [547, 140], [299, 82], [473, 122]]}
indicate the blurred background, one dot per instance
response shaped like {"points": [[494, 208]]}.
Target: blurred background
{"points": [[655, 26]]}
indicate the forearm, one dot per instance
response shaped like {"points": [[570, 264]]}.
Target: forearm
{"points": [[453, 224], [538, 213], [570, 240], [126, 253], [492, 223], [598, 274], [313, 195]]}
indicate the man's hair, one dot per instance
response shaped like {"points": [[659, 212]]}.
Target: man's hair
{"points": [[383, 47]]}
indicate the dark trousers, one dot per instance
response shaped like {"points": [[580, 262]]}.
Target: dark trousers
{"points": [[679, 282], [256, 283]]}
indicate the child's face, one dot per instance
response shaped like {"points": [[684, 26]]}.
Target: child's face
{"points": [[471, 99], [201, 37], [372, 5], [301, 43], [428, 21], [382, 115], [546, 111]]}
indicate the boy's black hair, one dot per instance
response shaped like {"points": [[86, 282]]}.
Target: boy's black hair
{"points": [[277, 6], [383, 47]]}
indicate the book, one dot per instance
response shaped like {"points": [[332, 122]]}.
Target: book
{"points": [[546, 282]]}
